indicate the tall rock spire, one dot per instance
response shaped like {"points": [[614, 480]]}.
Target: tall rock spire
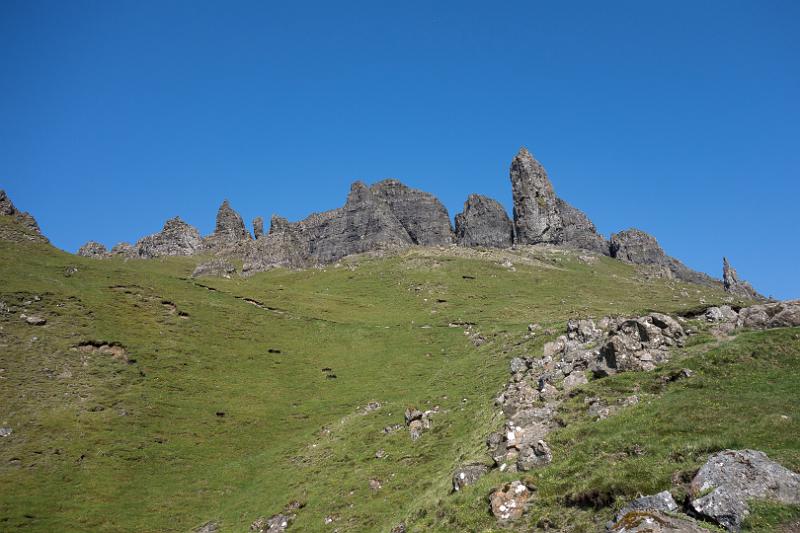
{"points": [[536, 216], [736, 286]]}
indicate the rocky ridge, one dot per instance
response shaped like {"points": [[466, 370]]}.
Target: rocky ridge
{"points": [[27, 228]]}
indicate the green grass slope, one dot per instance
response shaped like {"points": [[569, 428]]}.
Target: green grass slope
{"points": [[220, 409]]}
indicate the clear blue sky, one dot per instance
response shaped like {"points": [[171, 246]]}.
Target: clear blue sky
{"points": [[681, 118]]}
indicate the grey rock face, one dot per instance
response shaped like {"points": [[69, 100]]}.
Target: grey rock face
{"points": [[484, 222], [93, 249], [176, 238], [468, 475], [640, 248], [735, 286], [579, 231], [28, 228], [258, 227], [421, 214], [772, 315], [230, 235], [216, 267], [536, 217], [735, 476]]}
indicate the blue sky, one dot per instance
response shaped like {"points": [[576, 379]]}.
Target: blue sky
{"points": [[681, 118]]}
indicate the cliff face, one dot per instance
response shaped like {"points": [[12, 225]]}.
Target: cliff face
{"points": [[25, 227], [484, 222]]}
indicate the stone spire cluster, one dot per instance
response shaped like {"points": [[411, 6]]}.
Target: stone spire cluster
{"points": [[389, 215]]}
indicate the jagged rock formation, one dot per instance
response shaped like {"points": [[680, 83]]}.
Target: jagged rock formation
{"points": [[422, 215], [176, 238], [540, 216], [536, 216], [26, 227], [93, 249], [640, 248], [258, 227], [122, 248], [484, 222], [735, 286], [230, 235], [365, 223]]}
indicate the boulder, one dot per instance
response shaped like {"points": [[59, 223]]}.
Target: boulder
{"points": [[421, 214], [484, 222], [735, 286], [772, 315], [536, 216], [653, 521], [93, 249], [663, 501], [730, 478], [175, 239], [534, 455], [510, 501], [467, 475]]}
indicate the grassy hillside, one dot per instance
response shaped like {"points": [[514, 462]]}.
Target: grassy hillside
{"points": [[213, 403]]}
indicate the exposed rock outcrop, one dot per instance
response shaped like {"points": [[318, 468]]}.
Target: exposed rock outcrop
{"points": [[122, 248], [176, 238], [26, 227], [93, 249], [508, 502], [421, 214], [258, 227], [468, 475], [640, 248], [484, 222], [536, 216], [735, 286], [216, 267], [723, 486], [230, 236], [541, 217], [654, 521], [784, 314]]}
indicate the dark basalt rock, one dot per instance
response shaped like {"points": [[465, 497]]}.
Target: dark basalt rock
{"points": [[93, 249], [484, 222], [26, 228], [735, 286], [640, 248], [536, 216], [421, 214], [541, 217], [176, 238], [579, 231]]}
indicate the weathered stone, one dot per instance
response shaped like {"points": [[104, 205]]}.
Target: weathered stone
{"points": [[422, 215], [640, 248], [652, 521], [575, 379], [93, 249], [258, 227], [536, 217], [122, 248], [208, 527], [510, 501], [26, 228], [230, 236], [6, 431], [579, 231], [730, 478], [468, 475], [484, 222], [735, 286], [176, 238], [534, 455], [275, 524], [33, 320], [772, 315], [663, 501], [216, 267]]}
